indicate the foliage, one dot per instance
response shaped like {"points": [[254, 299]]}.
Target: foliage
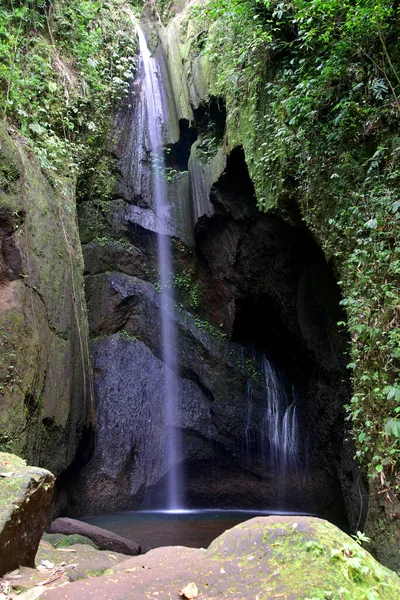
{"points": [[62, 67], [185, 282], [311, 89], [6, 441]]}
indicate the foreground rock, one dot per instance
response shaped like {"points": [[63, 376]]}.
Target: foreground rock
{"points": [[56, 566], [267, 557], [25, 496], [104, 540]]}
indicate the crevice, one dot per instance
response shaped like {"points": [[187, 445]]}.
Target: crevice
{"points": [[176, 156]]}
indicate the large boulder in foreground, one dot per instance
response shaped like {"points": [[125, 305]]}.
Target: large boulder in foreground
{"points": [[291, 558], [25, 496], [104, 540]]}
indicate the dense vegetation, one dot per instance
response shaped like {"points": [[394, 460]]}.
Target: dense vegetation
{"points": [[62, 67], [312, 90]]}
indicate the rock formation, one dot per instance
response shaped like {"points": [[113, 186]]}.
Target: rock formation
{"points": [[25, 496]]}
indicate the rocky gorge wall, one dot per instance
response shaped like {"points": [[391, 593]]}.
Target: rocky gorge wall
{"points": [[310, 165], [252, 286], [248, 286], [46, 393]]}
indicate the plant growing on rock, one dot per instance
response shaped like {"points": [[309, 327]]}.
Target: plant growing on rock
{"points": [[311, 90]]}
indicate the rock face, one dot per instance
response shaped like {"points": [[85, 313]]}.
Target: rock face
{"points": [[104, 540], [25, 496], [251, 290], [273, 557], [45, 379]]}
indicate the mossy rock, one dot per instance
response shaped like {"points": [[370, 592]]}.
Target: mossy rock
{"points": [[310, 558], [293, 558], [58, 540], [80, 560], [25, 496]]}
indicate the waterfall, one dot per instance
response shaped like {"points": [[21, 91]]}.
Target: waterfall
{"points": [[151, 83], [280, 423]]}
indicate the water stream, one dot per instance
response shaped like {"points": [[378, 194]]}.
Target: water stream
{"points": [[280, 424], [151, 82], [278, 438]]}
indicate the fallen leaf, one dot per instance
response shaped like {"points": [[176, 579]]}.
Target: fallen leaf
{"points": [[222, 570], [190, 591], [48, 564], [7, 474], [131, 570]]}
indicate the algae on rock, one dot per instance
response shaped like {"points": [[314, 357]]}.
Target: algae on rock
{"points": [[321, 145], [45, 364]]}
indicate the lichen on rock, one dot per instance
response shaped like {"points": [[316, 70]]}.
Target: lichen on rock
{"points": [[25, 496]]}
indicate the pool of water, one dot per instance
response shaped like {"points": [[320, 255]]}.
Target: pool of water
{"points": [[193, 528]]}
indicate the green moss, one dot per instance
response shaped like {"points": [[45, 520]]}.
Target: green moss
{"points": [[289, 548], [57, 540], [319, 131]]}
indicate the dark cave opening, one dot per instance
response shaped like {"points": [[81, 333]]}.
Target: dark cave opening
{"points": [[177, 155], [210, 117], [281, 298]]}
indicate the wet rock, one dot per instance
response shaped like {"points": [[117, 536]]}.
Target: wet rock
{"points": [[272, 557], [25, 496], [44, 363], [104, 540]]}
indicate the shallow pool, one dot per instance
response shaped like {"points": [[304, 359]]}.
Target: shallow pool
{"points": [[193, 528]]}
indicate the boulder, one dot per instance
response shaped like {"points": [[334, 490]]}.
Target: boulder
{"points": [[104, 540], [25, 496], [266, 557], [57, 566]]}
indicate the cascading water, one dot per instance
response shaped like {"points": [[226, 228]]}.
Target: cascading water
{"points": [[280, 423], [151, 83]]}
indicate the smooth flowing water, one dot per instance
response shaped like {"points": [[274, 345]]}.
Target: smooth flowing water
{"points": [[280, 424], [151, 81], [279, 429]]}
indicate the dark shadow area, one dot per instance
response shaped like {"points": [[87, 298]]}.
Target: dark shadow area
{"points": [[210, 118], [176, 155], [66, 481], [281, 297]]}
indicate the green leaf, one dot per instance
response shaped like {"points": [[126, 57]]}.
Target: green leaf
{"points": [[392, 427]]}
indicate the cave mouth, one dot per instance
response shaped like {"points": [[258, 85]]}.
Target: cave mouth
{"points": [[281, 298]]}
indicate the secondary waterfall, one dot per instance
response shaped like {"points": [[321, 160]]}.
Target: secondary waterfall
{"points": [[280, 424], [151, 83]]}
